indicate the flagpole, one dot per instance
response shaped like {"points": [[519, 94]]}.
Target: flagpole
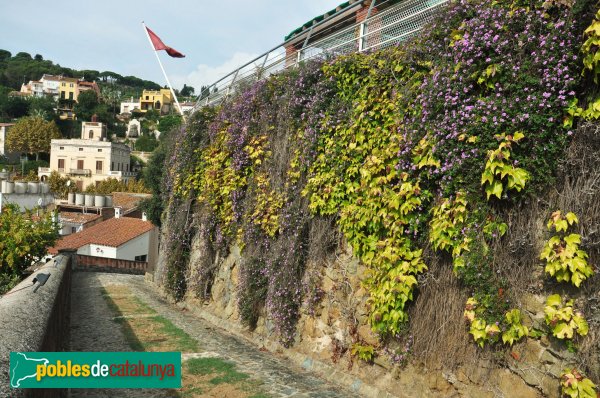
{"points": [[163, 71]]}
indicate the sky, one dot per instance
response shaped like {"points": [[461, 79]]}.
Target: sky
{"points": [[215, 35]]}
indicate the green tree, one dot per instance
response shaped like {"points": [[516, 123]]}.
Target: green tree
{"points": [[110, 185], [13, 107], [187, 91], [32, 135], [86, 104], [153, 179], [58, 185], [42, 107], [5, 55], [23, 241], [169, 122], [146, 143]]}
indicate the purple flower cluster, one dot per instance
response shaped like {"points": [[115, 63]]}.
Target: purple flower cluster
{"points": [[503, 70]]}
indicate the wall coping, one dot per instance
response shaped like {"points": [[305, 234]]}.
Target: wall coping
{"points": [[28, 318]]}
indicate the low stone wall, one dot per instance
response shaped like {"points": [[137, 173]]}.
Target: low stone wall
{"points": [[102, 264], [36, 321]]}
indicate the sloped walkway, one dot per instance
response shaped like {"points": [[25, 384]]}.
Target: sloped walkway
{"points": [[93, 329]]}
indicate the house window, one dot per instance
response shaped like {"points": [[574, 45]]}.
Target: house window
{"points": [[112, 165], [147, 98], [62, 148], [100, 150], [73, 230], [61, 165], [80, 164], [126, 167], [62, 95], [71, 96], [141, 258], [64, 84], [71, 85], [98, 167], [91, 133], [80, 149]]}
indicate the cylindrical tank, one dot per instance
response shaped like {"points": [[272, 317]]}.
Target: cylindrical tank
{"points": [[9, 187], [99, 200], [71, 198], [33, 187], [89, 199], [79, 199], [20, 187], [109, 201]]}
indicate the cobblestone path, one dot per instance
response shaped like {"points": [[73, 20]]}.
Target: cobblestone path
{"points": [[93, 329]]}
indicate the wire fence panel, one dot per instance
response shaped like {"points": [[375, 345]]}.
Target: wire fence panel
{"points": [[396, 22]]}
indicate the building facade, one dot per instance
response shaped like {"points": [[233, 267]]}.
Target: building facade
{"points": [[90, 159], [50, 85], [160, 100], [130, 106], [12, 157], [34, 88]]}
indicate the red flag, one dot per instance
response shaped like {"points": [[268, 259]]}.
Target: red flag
{"points": [[159, 45]]}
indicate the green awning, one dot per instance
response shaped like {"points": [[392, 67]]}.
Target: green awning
{"points": [[316, 20]]}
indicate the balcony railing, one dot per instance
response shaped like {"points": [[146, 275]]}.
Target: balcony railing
{"points": [[394, 23], [119, 173], [80, 172]]}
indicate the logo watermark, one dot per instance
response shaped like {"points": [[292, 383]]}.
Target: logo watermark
{"points": [[95, 369]]}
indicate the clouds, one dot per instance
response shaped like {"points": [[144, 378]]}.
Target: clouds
{"points": [[216, 37], [206, 74]]}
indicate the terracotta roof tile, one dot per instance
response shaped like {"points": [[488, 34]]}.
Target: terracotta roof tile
{"points": [[113, 232], [78, 218], [128, 201]]}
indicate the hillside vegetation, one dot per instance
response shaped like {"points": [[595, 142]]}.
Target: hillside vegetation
{"points": [[22, 67], [436, 160]]}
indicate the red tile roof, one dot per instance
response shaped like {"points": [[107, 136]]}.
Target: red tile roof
{"points": [[78, 218], [128, 201], [113, 232]]}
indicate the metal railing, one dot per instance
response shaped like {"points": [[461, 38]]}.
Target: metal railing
{"points": [[397, 21], [83, 172]]}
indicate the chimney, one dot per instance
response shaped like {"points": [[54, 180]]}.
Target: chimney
{"points": [[144, 216], [95, 118], [117, 212]]}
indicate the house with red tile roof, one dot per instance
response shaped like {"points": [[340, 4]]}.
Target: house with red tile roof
{"points": [[72, 222], [122, 238]]}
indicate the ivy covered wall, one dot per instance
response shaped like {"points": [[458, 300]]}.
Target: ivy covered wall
{"points": [[417, 153]]}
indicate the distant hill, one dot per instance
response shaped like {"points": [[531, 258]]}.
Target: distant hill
{"points": [[22, 67]]}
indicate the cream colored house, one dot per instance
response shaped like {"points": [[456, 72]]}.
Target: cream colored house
{"points": [[90, 159], [4, 153]]}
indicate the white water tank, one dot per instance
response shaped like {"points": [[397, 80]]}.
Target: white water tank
{"points": [[20, 187], [99, 200], [33, 187], [89, 199], [79, 199]]}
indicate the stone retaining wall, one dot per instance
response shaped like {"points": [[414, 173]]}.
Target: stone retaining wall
{"points": [[36, 321]]}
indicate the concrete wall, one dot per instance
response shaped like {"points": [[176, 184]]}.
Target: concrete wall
{"points": [[36, 321], [135, 247], [28, 200]]}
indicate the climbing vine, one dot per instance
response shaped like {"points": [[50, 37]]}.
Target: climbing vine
{"points": [[414, 148]]}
